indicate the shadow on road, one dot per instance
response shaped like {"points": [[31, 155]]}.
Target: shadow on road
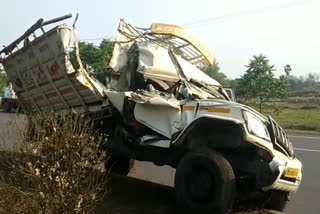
{"points": [[134, 196]]}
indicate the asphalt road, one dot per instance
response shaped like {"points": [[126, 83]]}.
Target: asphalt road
{"points": [[307, 149], [307, 199]]}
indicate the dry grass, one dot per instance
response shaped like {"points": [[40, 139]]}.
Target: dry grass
{"points": [[54, 168]]}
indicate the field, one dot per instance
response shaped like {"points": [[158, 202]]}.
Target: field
{"points": [[297, 116]]}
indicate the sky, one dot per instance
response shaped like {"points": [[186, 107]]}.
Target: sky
{"points": [[286, 31]]}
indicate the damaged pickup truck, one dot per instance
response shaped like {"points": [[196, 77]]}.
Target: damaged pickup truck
{"points": [[157, 105]]}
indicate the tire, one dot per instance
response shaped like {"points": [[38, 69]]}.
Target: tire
{"points": [[276, 200], [119, 165], [205, 183]]}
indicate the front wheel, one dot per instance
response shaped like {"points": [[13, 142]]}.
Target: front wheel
{"points": [[205, 183]]}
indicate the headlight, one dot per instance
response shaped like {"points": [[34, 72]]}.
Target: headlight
{"points": [[256, 126]]}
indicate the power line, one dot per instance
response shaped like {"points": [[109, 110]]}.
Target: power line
{"points": [[92, 39], [229, 17], [245, 13], [97, 39]]}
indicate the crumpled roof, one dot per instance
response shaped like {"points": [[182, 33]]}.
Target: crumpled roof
{"points": [[156, 98], [167, 36]]}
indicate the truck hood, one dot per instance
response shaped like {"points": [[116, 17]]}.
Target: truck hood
{"points": [[226, 103]]}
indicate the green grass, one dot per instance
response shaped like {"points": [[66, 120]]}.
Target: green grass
{"points": [[302, 132], [297, 118]]}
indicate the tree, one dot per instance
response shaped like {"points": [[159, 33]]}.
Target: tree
{"points": [[214, 72], [287, 69], [235, 85], [259, 82], [311, 80], [95, 57]]}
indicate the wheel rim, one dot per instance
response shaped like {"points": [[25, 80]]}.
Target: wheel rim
{"points": [[200, 185]]}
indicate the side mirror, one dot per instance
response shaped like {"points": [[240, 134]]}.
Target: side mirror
{"points": [[230, 93]]}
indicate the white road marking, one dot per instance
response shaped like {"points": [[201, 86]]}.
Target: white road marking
{"points": [[307, 137], [307, 150]]}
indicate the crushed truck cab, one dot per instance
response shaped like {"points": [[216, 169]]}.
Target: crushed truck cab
{"points": [[157, 105]]}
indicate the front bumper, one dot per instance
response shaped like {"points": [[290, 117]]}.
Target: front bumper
{"points": [[281, 182]]}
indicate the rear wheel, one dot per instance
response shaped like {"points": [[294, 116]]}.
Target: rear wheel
{"points": [[205, 183], [119, 165]]}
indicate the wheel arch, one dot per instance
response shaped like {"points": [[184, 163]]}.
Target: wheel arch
{"points": [[212, 131]]}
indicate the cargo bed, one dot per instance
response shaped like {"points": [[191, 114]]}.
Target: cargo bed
{"points": [[43, 77]]}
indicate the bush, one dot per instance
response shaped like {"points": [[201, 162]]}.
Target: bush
{"points": [[58, 166]]}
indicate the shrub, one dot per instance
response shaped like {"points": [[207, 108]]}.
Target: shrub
{"points": [[58, 166]]}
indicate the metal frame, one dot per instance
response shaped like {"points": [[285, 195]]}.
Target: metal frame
{"points": [[188, 52]]}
